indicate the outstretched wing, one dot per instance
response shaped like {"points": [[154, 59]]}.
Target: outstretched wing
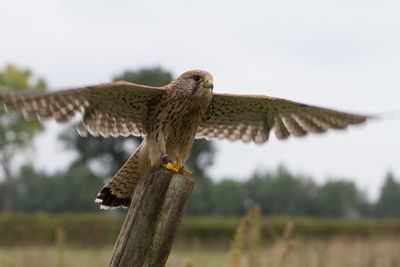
{"points": [[119, 108], [251, 118]]}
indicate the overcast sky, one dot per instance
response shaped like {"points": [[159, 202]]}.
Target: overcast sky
{"points": [[339, 54]]}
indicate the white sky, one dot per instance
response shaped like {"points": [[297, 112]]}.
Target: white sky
{"points": [[339, 54]]}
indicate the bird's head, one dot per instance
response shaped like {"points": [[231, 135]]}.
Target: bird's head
{"points": [[196, 82]]}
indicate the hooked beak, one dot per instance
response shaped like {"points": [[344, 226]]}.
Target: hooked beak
{"points": [[209, 84]]}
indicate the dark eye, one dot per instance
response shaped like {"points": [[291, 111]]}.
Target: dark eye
{"points": [[197, 78]]}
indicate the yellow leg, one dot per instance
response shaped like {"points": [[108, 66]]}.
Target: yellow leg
{"points": [[171, 167]]}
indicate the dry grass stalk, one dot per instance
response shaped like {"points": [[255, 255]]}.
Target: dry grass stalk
{"points": [[248, 233], [289, 243], [60, 244], [254, 237], [236, 252]]}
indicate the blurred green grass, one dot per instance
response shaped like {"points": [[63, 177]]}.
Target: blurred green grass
{"points": [[96, 230]]}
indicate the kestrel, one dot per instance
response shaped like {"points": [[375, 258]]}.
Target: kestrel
{"points": [[170, 118]]}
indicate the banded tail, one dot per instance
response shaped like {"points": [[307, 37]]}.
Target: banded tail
{"points": [[118, 192]]}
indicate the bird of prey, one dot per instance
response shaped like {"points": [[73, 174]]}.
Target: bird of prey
{"points": [[170, 118]]}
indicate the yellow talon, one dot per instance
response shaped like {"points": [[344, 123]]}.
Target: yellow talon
{"points": [[171, 167], [178, 168]]}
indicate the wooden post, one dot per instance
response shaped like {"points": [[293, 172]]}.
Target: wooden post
{"points": [[149, 228]]}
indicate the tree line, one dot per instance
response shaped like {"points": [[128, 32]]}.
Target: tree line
{"points": [[278, 192]]}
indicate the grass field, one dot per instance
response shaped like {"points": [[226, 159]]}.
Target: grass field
{"points": [[336, 252], [85, 240]]}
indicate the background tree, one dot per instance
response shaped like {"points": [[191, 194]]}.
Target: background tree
{"points": [[282, 193], [155, 76], [72, 190], [229, 197], [388, 204], [340, 199], [15, 132], [201, 157]]}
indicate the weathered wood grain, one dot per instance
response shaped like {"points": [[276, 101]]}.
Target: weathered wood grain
{"points": [[149, 228]]}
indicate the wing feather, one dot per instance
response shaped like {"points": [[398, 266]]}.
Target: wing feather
{"points": [[114, 109], [251, 118]]}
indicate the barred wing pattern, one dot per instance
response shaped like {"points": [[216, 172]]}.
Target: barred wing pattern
{"points": [[119, 108], [251, 118]]}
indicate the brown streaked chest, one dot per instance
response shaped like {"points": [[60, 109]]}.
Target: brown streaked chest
{"points": [[178, 117]]}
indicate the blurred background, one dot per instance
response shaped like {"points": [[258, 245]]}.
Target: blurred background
{"points": [[320, 200]]}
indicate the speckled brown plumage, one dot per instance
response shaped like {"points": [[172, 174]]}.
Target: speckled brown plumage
{"points": [[170, 118], [251, 118]]}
